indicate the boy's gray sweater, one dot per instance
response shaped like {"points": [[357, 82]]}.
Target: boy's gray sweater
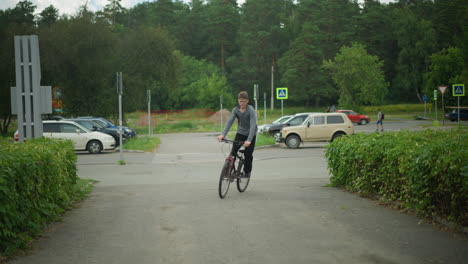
{"points": [[247, 125]]}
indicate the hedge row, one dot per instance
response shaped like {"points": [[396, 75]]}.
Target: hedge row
{"points": [[426, 171], [36, 186]]}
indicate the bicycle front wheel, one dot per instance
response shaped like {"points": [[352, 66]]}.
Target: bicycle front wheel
{"points": [[242, 182], [224, 179]]}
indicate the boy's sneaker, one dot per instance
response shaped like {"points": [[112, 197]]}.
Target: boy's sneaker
{"points": [[247, 175]]}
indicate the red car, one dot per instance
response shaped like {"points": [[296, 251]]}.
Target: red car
{"points": [[355, 117]]}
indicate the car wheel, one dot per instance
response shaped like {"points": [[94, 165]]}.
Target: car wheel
{"points": [[94, 147], [363, 122], [293, 141], [337, 135]]}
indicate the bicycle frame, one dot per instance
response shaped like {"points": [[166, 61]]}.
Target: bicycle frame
{"points": [[232, 164], [233, 171]]}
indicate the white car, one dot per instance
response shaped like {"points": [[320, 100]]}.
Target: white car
{"points": [[83, 138]]}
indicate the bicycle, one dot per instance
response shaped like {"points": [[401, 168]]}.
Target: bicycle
{"points": [[233, 170]]}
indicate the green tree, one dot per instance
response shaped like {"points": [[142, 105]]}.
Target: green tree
{"points": [[301, 68], [262, 40], [78, 55], [358, 75], [148, 61], [223, 21], [48, 16], [113, 12], [445, 68], [416, 42], [374, 30], [336, 20], [201, 85], [193, 39]]}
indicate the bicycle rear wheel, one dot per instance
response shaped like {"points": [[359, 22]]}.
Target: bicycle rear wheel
{"points": [[242, 182], [224, 179]]}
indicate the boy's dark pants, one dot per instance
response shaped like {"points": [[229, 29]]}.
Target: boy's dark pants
{"points": [[248, 154]]}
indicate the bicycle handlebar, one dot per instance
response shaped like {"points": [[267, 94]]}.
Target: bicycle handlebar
{"points": [[233, 141]]}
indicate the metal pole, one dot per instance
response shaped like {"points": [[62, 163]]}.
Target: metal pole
{"points": [[458, 110], [424, 109], [282, 107], [148, 92], [120, 114], [221, 111], [435, 101], [264, 108], [272, 84], [255, 98], [443, 119]]}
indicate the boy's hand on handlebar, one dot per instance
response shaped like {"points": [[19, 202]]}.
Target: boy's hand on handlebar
{"points": [[246, 144], [220, 138]]}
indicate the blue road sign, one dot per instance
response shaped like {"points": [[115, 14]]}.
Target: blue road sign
{"points": [[282, 93], [425, 99], [458, 90]]}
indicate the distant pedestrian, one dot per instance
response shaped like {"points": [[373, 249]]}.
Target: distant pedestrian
{"points": [[328, 109], [380, 118], [333, 108]]}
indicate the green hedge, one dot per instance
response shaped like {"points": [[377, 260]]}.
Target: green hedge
{"points": [[397, 108], [426, 171], [37, 181]]}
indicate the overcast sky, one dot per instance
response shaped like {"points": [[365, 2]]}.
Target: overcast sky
{"points": [[70, 6]]}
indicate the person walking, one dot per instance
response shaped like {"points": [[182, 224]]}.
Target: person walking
{"points": [[380, 117], [246, 130]]}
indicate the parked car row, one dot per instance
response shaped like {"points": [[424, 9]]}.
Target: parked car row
{"points": [[93, 134]]}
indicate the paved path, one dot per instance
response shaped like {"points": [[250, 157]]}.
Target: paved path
{"points": [[163, 207]]}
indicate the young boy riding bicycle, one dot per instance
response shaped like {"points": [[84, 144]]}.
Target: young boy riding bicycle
{"points": [[246, 129]]}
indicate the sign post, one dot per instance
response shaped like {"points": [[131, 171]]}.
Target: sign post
{"points": [[119, 93], [256, 95], [458, 90], [264, 108], [442, 90], [28, 98], [425, 99], [435, 102], [282, 94], [221, 111], [148, 94]]}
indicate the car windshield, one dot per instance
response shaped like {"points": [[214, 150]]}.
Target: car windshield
{"points": [[281, 120], [109, 123], [87, 124], [101, 123]]}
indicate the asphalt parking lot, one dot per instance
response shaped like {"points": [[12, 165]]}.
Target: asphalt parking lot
{"points": [[163, 207]]}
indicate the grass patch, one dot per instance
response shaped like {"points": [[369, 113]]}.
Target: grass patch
{"points": [[82, 188], [262, 139], [143, 143]]}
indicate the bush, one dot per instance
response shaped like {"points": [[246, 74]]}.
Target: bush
{"points": [[399, 108], [37, 183], [426, 171]]}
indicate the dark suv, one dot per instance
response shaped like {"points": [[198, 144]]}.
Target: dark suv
{"points": [[127, 131], [453, 116]]}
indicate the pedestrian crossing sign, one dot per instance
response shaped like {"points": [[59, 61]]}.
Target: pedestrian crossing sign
{"points": [[458, 90], [282, 93]]}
